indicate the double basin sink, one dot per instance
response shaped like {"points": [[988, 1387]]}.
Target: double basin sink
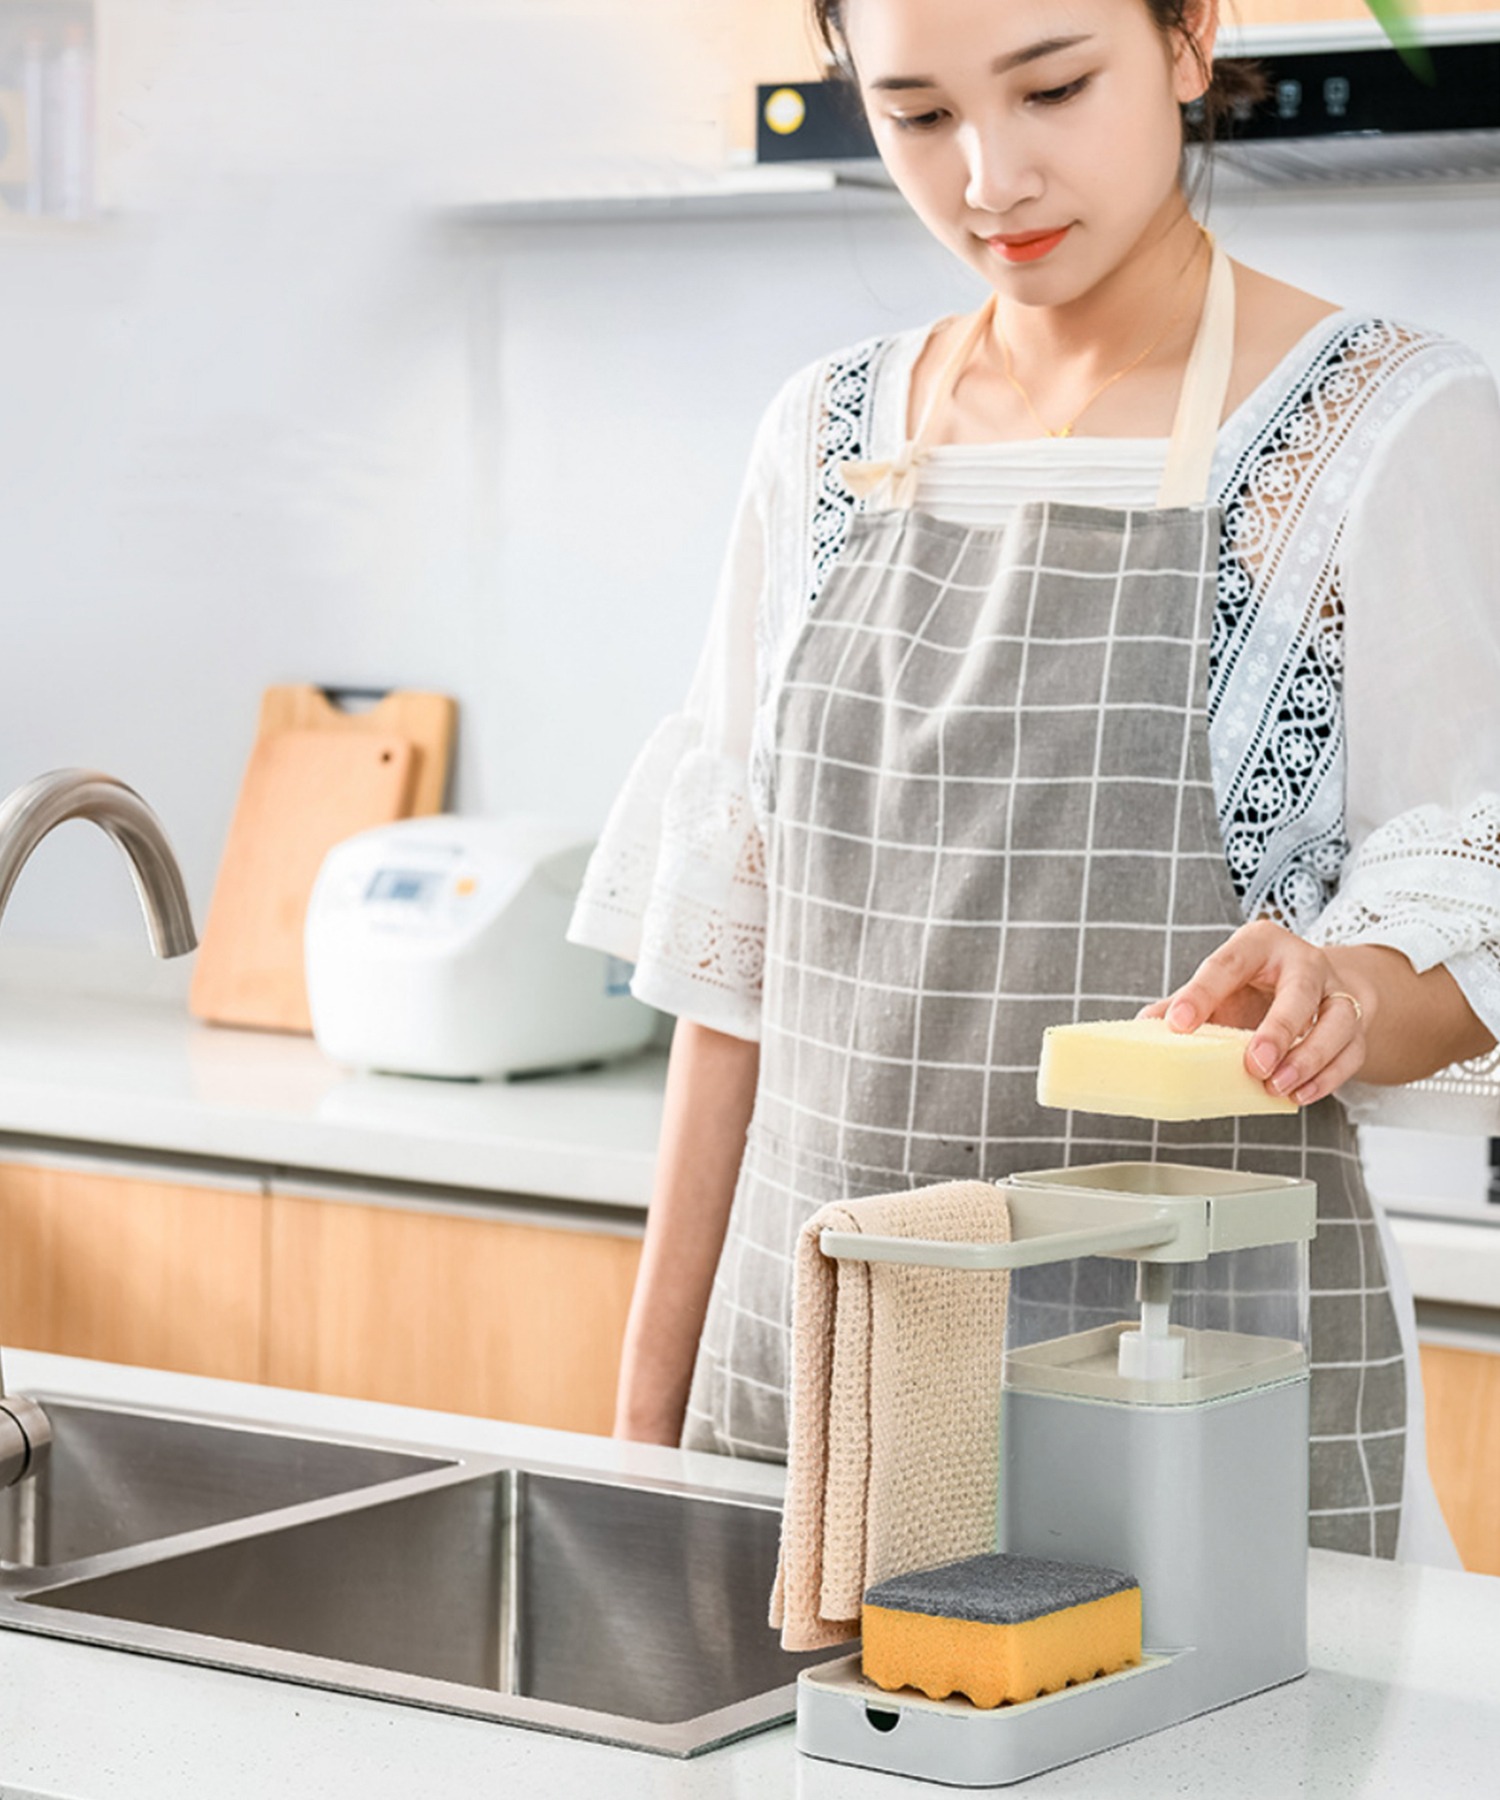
{"points": [[588, 1604]]}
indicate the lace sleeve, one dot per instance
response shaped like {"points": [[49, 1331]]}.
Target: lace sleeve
{"points": [[703, 935], [611, 906], [1422, 567], [1428, 884], [677, 884]]}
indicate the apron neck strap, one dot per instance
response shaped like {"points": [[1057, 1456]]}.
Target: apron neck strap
{"points": [[1205, 385], [958, 360]]}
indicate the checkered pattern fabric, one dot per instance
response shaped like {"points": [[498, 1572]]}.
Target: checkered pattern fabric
{"points": [[992, 811]]}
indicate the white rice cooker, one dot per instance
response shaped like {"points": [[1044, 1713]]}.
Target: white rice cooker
{"points": [[436, 947]]}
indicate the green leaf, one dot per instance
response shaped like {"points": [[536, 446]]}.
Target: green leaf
{"points": [[1399, 24]]}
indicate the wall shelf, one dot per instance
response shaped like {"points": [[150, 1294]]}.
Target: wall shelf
{"points": [[738, 193]]}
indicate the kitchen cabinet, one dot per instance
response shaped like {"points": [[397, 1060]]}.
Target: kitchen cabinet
{"points": [[163, 1274], [446, 1310], [456, 1310], [1317, 12], [509, 1213], [1463, 1448], [774, 40]]}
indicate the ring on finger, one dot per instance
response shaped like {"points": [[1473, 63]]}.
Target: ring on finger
{"points": [[1339, 994]]}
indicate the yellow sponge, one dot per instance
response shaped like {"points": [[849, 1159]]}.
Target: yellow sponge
{"points": [[1000, 1629], [1143, 1069]]}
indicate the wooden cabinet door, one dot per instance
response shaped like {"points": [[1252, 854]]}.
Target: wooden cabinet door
{"points": [[132, 1271], [1462, 1388], [454, 1311]]}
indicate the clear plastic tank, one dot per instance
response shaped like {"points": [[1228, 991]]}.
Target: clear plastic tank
{"points": [[1168, 1325]]}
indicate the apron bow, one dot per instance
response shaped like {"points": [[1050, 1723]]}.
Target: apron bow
{"points": [[892, 483]]}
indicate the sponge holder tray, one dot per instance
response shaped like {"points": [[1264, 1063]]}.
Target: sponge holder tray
{"points": [[1200, 1492]]}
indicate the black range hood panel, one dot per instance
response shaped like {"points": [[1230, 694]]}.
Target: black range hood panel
{"points": [[1331, 113]]}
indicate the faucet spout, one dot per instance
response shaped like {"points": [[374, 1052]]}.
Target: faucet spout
{"points": [[25, 1439], [28, 814]]}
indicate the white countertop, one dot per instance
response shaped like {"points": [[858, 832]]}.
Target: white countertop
{"points": [[1401, 1701], [140, 1074], [132, 1070]]}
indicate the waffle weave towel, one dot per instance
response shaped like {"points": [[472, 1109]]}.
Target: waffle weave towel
{"points": [[894, 1450]]}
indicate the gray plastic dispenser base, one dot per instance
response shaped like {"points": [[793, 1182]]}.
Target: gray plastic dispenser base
{"points": [[1206, 1505]]}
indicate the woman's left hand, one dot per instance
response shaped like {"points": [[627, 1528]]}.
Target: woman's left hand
{"points": [[1308, 1017]]}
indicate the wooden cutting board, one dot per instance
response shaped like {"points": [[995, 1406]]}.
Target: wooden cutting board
{"points": [[304, 790], [426, 721]]}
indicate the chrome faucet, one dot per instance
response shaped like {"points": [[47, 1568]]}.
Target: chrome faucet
{"points": [[26, 817]]}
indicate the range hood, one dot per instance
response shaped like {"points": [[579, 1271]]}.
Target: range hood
{"points": [[1341, 106]]}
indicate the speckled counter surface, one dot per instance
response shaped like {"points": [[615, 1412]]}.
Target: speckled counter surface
{"points": [[1402, 1702], [103, 1071]]}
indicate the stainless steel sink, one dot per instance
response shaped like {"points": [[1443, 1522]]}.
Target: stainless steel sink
{"points": [[573, 1602], [114, 1478]]}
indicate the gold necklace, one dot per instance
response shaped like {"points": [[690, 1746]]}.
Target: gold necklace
{"points": [[1064, 431]]}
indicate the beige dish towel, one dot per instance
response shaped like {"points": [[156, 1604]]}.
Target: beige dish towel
{"points": [[894, 1452]]}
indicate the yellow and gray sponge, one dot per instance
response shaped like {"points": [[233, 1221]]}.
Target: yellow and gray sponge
{"points": [[1000, 1629]]}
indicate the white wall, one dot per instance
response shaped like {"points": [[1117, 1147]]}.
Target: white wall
{"points": [[279, 427]]}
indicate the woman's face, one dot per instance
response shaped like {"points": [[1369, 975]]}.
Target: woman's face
{"points": [[1039, 140]]}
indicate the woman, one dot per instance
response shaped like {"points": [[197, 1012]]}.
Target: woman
{"points": [[1127, 645]]}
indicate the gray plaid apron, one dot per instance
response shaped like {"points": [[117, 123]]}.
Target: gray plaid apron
{"points": [[992, 811]]}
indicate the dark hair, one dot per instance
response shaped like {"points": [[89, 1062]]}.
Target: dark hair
{"points": [[1234, 84]]}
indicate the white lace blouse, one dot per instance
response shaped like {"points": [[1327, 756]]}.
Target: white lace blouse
{"points": [[1354, 706]]}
